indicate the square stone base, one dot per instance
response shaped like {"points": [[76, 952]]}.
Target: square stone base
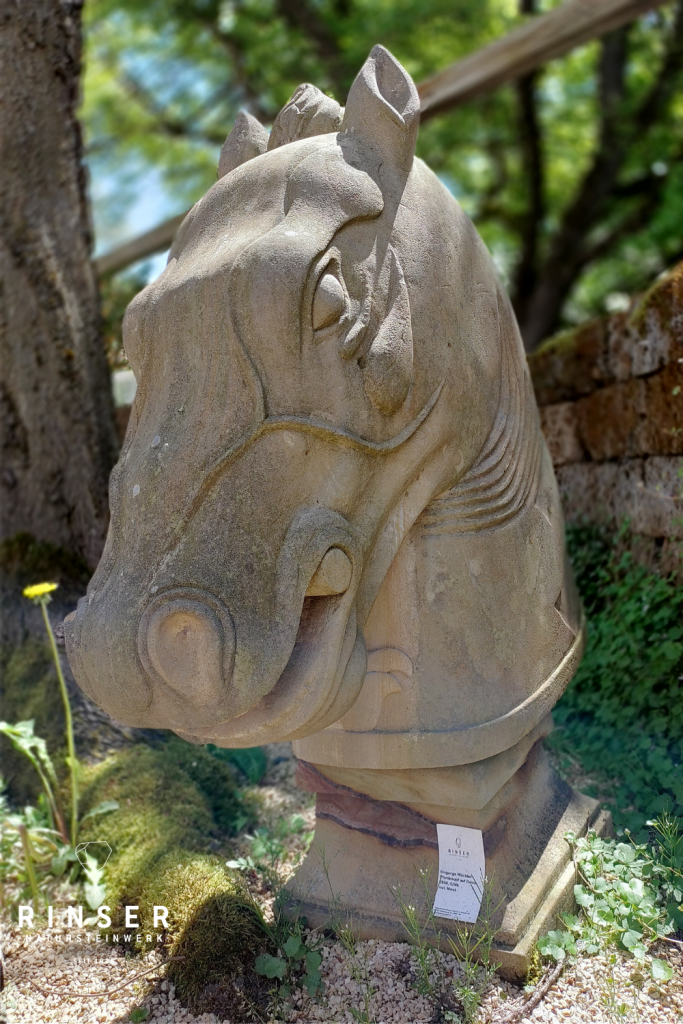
{"points": [[351, 876]]}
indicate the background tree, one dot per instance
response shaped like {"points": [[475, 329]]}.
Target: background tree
{"points": [[57, 431], [572, 174]]}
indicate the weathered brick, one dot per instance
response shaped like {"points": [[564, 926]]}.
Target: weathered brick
{"points": [[608, 420], [660, 430], [615, 348], [648, 492], [570, 364], [657, 321], [641, 416], [560, 428]]}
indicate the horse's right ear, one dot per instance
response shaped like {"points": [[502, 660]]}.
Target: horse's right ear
{"points": [[383, 109], [247, 139]]}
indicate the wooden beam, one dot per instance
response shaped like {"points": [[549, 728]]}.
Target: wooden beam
{"points": [[156, 240], [539, 40]]}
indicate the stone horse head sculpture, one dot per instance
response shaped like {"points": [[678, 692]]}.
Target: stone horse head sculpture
{"points": [[334, 518]]}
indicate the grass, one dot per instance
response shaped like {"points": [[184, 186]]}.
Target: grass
{"points": [[619, 733]]}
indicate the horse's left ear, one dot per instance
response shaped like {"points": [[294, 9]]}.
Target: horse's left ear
{"points": [[383, 109], [247, 139]]}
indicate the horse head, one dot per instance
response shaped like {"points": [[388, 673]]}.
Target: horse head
{"points": [[327, 359]]}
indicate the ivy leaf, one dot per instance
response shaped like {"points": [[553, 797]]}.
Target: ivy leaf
{"points": [[631, 938], [313, 960], [583, 898], [270, 966], [294, 948], [661, 970]]}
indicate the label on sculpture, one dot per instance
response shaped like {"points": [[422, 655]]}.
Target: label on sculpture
{"points": [[461, 873]]}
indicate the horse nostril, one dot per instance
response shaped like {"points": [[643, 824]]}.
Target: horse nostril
{"points": [[332, 576], [189, 644]]}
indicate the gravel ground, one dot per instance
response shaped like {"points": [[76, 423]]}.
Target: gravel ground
{"points": [[48, 980]]}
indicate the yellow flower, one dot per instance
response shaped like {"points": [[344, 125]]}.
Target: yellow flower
{"points": [[39, 590]]}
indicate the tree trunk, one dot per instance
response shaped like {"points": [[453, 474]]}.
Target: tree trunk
{"points": [[57, 433]]}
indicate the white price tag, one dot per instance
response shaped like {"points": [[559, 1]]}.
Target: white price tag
{"points": [[461, 873]]}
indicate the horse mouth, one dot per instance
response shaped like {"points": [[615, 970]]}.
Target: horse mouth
{"points": [[322, 677]]}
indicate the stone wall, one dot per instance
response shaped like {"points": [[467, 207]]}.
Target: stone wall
{"points": [[611, 402]]}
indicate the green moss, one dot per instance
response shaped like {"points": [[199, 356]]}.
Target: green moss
{"points": [[217, 931], [171, 799], [211, 775], [29, 689], [558, 344], [663, 295], [177, 804]]}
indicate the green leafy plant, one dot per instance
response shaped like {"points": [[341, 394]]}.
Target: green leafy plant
{"points": [[420, 935], [359, 968], [138, 1014], [27, 845], [268, 849], [621, 719], [294, 964], [623, 895], [95, 891], [472, 946], [40, 593], [23, 739]]}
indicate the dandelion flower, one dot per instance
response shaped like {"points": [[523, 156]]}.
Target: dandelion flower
{"points": [[39, 590]]}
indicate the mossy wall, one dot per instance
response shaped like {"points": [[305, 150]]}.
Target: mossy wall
{"points": [[611, 403]]}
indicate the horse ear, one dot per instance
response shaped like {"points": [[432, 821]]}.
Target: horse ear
{"points": [[383, 109], [247, 139], [309, 112]]}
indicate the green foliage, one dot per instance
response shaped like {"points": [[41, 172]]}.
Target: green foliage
{"points": [[251, 761], [27, 846], [634, 657], [624, 897], [138, 1014], [165, 79], [622, 716], [471, 945], [295, 964], [116, 291], [268, 850], [419, 934], [34, 748], [29, 692], [95, 890]]}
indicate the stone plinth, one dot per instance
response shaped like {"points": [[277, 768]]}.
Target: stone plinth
{"points": [[369, 848]]}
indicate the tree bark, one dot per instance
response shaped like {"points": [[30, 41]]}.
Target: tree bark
{"points": [[57, 433]]}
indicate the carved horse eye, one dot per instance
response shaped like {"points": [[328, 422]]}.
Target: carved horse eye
{"points": [[329, 302]]}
